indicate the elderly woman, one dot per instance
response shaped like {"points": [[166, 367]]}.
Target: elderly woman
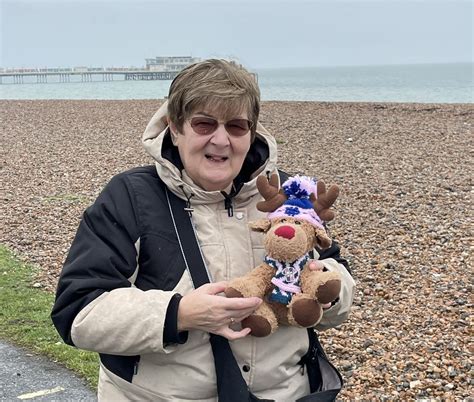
{"points": [[125, 290]]}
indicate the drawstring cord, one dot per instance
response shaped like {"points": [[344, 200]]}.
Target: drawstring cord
{"points": [[227, 202], [188, 207]]}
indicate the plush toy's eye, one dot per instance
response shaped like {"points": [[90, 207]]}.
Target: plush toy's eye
{"points": [[297, 223], [283, 220]]}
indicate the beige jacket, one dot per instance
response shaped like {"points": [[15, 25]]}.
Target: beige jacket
{"points": [[186, 372]]}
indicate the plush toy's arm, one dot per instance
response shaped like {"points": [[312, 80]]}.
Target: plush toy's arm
{"points": [[255, 283], [339, 312]]}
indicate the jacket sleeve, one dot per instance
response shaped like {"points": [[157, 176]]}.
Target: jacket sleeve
{"points": [[96, 306], [339, 312]]}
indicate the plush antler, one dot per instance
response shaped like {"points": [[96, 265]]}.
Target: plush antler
{"points": [[274, 197], [325, 200]]}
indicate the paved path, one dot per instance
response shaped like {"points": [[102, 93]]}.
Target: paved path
{"points": [[28, 377]]}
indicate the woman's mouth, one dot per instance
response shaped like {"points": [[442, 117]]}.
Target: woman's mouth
{"points": [[216, 158]]}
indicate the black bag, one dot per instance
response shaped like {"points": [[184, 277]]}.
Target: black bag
{"points": [[324, 379]]}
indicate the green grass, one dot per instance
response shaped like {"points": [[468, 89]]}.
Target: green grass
{"points": [[69, 198], [25, 319]]}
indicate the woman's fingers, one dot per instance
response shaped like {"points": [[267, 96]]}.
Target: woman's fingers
{"points": [[202, 309], [241, 303], [232, 335], [236, 303], [212, 288], [316, 265]]}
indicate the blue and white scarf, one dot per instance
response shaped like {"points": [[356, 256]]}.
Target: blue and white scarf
{"points": [[286, 278]]}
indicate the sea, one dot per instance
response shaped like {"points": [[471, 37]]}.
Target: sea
{"points": [[420, 83]]}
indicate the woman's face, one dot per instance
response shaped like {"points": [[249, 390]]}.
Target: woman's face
{"points": [[211, 160]]}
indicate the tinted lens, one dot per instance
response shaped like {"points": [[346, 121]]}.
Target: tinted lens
{"points": [[204, 125], [238, 127], [207, 125]]}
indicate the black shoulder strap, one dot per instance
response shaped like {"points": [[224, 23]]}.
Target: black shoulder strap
{"points": [[283, 176], [188, 244], [231, 386]]}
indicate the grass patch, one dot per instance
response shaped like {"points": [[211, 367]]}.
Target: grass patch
{"points": [[25, 319]]}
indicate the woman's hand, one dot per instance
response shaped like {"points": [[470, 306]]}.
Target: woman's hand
{"points": [[205, 310]]}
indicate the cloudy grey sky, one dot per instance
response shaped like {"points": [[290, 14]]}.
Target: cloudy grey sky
{"points": [[260, 33]]}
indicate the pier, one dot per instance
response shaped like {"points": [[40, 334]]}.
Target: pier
{"points": [[158, 68], [70, 75]]}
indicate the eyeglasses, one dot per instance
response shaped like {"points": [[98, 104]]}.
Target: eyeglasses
{"points": [[207, 125]]}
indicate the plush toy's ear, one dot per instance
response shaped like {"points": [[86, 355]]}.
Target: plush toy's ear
{"points": [[321, 239], [261, 225]]}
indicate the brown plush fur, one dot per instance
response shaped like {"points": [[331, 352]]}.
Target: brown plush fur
{"points": [[317, 287]]}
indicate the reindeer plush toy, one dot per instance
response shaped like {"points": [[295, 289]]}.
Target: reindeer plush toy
{"points": [[292, 293]]}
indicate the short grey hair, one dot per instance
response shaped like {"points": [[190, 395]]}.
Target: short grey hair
{"points": [[216, 85]]}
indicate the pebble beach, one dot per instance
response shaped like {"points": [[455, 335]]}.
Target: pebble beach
{"points": [[403, 219]]}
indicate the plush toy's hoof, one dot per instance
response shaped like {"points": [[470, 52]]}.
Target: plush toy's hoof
{"points": [[231, 292], [306, 312], [329, 291], [260, 326]]}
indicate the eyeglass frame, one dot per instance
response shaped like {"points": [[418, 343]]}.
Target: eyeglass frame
{"points": [[217, 123]]}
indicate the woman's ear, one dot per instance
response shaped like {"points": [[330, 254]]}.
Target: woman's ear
{"points": [[173, 131]]}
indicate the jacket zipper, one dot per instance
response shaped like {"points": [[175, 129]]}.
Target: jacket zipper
{"points": [[228, 203]]}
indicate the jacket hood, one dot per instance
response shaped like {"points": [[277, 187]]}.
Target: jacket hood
{"points": [[261, 159]]}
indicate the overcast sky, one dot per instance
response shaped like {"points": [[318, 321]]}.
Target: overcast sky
{"points": [[260, 33]]}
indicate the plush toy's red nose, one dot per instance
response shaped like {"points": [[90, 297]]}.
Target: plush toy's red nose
{"points": [[285, 231]]}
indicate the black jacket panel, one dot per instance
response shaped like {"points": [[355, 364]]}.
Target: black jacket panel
{"points": [[131, 207]]}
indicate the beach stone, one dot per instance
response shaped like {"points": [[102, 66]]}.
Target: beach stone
{"points": [[367, 343], [415, 384], [449, 387], [452, 372], [346, 365]]}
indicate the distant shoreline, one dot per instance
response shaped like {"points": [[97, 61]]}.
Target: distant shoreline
{"points": [[263, 102], [466, 63], [438, 83]]}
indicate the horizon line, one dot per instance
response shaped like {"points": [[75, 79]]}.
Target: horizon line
{"points": [[264, 67]]}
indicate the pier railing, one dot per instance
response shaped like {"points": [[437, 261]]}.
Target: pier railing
{"points": [[28, 77]]}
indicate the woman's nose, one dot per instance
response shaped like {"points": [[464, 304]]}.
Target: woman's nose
{"points": [[220, 136]]}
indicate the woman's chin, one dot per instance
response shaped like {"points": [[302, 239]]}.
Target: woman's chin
{"points": [[216, 184]]}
